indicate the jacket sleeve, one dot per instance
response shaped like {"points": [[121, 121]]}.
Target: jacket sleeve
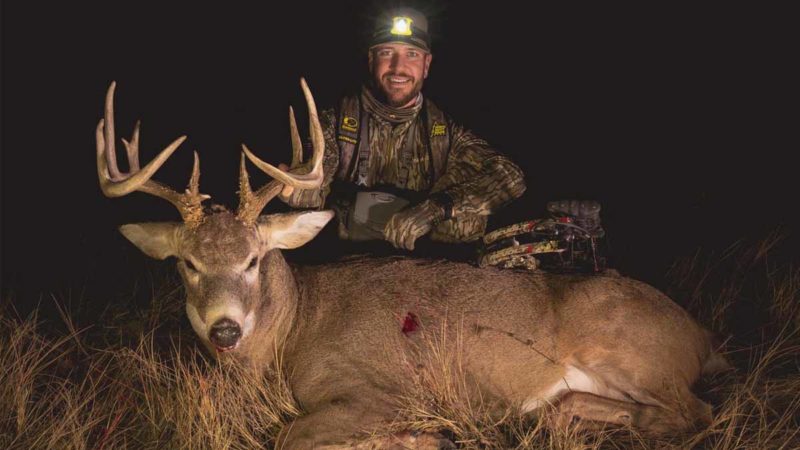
{"points": [[478, 179], [315, 198]]}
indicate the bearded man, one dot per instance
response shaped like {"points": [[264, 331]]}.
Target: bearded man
{"points": [[397, 167]]}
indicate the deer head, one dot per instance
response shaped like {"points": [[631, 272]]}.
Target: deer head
{"points": [[231, 268]]}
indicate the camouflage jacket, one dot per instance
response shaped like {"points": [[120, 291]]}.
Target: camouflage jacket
{"points": [[444, 157]]}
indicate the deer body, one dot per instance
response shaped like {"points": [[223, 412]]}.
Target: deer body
{"points": [[354, 335], [520, 337]]}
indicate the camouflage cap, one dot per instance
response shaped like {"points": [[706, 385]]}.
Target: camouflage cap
{"points": [[402, 25]]}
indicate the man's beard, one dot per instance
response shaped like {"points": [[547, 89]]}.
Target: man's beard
{"points": [[392, 97]]}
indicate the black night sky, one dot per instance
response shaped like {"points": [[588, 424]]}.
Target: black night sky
{"points": [[677, 120]]}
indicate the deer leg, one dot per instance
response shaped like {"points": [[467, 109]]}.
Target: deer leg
{"points": [[353, 425], [593, 412], [667, 402], [406, 441], [333, 426], [398, 441]]}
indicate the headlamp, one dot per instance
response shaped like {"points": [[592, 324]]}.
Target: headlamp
{"points": [[401, 26]]}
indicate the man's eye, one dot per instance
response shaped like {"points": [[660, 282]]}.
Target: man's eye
{"points": [[384, 53], [413, 54]]}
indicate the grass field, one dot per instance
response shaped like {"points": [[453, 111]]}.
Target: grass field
{"points": [[137, 379]]}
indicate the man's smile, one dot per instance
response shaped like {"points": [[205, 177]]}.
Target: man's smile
{"points": [[398, 80]]}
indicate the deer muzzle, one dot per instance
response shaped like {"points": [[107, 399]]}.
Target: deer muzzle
{"points": [[225, 334]]}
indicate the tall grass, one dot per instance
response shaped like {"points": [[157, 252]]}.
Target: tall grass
{"points": [[139, 380], [154, 393]]}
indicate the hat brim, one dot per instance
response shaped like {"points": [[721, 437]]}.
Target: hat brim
{"points": [[418, 40]]}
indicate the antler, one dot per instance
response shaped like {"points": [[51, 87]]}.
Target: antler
{"points": [[116, 184], [251, 204]]}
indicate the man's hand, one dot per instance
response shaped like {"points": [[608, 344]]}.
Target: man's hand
{"points": [[409, 224]]}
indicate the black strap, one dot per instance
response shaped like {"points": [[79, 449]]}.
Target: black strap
{"points": [[427, 137], [349, 139], [362, 152]]}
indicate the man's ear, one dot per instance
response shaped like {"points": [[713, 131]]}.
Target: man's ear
{"points": [[291, 230], [369, 61], [157, 240], [428, 59]]}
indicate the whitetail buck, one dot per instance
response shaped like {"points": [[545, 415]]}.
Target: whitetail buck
{"points": [[602, 349]]}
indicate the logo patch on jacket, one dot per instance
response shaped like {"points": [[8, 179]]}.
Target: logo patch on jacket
{"points": [[438, 129], [350, 124]]}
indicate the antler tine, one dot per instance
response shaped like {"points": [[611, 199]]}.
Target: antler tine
{"points": [[132, 148], [114, 183], [194, 182], [297, 143], [245, 193], [108, 114], [251, 204], [317, 138]]}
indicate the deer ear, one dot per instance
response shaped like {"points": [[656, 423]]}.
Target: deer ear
{"points": [[156, 239], [291, 230]]}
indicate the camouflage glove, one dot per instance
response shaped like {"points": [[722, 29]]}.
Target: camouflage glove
{"points": [[409, 224]]}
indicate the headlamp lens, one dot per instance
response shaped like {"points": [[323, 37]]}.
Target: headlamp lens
{"points": [[401, 26]]}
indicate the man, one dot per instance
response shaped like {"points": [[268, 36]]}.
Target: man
{"points": [[396, 167]]}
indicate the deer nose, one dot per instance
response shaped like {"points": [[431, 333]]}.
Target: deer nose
{"points": [[225, 333]]}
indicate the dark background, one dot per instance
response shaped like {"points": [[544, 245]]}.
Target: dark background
{"points": [[676, 119]]}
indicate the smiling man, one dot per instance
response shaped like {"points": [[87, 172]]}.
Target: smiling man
{"points": [[396, 166]]}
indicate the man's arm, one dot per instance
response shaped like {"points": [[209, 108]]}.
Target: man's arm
{"points": [[315, 198], [477, 181]]}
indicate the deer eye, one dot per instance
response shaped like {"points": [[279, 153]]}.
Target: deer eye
{"points": [[253, 263], [189, 265]]}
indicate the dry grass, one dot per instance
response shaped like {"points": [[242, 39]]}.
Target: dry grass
{"points": [[64, 394], [140, 382]]}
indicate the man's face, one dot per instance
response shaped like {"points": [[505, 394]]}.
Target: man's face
{"points": [[398, 70]]}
